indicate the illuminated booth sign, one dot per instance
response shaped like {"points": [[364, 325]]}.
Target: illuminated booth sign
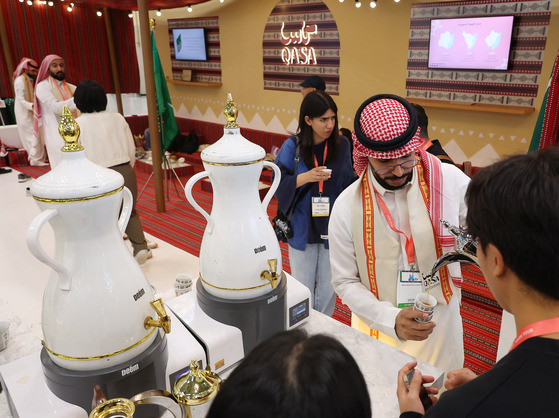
{"points": [[297, 49], [300, 39]]}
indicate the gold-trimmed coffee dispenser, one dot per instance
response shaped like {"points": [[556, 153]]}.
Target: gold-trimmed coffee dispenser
{"points": [[100, 322], [241, 279]]}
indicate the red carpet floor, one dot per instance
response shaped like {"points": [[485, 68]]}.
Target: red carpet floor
{"points": [[183, 227]]}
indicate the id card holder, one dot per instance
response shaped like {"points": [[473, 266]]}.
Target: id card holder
{"points": [[320, 206], [409, 285]]}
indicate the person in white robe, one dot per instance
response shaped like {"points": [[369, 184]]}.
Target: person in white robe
{"points": [[24, 81], [52, 92], [385, 236]]}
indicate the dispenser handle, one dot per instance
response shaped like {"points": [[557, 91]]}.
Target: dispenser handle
{"points": [[188, 193], [32, 238], [273, 187], [127, 206]]}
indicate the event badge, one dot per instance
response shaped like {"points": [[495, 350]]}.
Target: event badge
{"points": [[321, 206], [409, 285]]}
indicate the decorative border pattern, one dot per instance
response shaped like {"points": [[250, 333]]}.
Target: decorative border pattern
{"points": [[203, 71], [326, 44], [516, 87]]}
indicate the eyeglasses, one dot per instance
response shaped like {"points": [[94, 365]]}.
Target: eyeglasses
{"points": [[406, 165]]}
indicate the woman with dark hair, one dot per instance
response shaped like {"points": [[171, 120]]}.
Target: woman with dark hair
{"points": [[292, 375], [324, 169], [108, 141]]}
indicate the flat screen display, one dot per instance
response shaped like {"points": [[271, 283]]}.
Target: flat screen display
{"points": [[476, 43], [190, 44]]}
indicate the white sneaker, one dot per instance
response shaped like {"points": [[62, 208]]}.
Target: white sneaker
{"points": [[143, 256], [152, 244]]}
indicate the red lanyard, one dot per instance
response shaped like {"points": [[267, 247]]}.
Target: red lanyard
{"points": [[58, 87], [536, 329], [426, 145], [410, 251], [321, 182]]}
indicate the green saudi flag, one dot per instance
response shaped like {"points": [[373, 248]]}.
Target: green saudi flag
{"points": [[165, 112]]}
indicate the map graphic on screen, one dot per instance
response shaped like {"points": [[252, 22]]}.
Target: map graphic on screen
{"points": [[481, 43]]}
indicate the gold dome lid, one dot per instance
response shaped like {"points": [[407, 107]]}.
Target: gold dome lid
{"points": [[197, 386], [232, 148], [75, 177]]}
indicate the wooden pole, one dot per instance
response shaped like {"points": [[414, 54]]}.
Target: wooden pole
{"points": [[5, 46], [112, 56], [147, 54]]}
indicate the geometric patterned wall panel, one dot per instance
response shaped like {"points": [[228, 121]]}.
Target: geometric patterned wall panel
{"points": [[203, 71], [300, 39], [516, 87]]}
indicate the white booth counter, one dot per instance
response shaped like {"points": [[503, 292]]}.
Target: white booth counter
{"points": [[379, 364]]}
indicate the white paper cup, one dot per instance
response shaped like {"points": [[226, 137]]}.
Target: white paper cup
{"points": [[4, 326], [425, 303], [326, 170]]}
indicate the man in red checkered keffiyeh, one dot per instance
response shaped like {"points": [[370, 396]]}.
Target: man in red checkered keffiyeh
{"points": [[385, 235]]}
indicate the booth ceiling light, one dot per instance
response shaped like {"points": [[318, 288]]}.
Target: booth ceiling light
{"points": [[189, 8], [130, 13], [158, 13], [51, 3], [357, 3], [221, 1], [30, 2], [69, 8], [373, 4], [21, 1], [99, 13]]}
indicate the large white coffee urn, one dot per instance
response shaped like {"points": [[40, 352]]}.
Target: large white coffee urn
{"points": [[100, 322], [241, 277]]}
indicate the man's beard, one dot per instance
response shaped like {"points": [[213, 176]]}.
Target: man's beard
{"points": [[387, 186], [59, 75]]}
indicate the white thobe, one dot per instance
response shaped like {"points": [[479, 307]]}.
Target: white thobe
{"points": [[23, 110], [444, 347], [51, 109]]}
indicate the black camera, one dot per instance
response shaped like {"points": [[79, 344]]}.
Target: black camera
{"points": [[282, 229]]}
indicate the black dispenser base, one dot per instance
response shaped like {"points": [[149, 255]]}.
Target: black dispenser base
{"points": [[144, 372], [258, 318]]}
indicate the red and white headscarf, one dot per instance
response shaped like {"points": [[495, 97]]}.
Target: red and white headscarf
{"points": [[23, 65], [42, 75], [385, 127]]}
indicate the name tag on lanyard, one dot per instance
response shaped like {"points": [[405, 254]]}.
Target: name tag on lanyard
{"points": [[409, 285], [321, 206]]}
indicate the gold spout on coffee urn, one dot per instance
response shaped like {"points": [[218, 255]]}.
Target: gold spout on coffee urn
{"points": [[271, 275], [164, 320]]}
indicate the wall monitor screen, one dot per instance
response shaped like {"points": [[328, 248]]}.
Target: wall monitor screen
{"points": [[190, 44], [473, 43]]}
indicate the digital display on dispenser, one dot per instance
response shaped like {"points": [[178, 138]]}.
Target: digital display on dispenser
{"points": [[298, 312]]}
